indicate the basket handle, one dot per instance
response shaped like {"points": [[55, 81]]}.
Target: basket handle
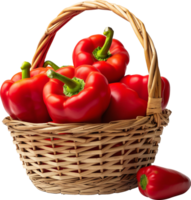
{"points": [[154, 83]]}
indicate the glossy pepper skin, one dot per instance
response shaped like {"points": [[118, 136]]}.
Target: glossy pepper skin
{"points": [[125, 104], [140, 85], [22, 95], [77, 104], [161, 183], [16, 76], [15, 94], [107, 55]]}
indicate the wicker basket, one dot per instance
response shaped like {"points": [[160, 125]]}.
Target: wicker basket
{"points": [[94, 158]]}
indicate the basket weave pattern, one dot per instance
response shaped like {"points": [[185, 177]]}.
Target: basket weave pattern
{"points": [[92, 158]]}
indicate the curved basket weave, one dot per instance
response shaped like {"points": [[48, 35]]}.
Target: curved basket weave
{"points": [[92, 158]]}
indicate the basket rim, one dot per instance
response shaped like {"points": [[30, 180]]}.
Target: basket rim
{"points": [[114, 126]]}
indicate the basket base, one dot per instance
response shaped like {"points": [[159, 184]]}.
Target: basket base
{"points": [[85, 186]]}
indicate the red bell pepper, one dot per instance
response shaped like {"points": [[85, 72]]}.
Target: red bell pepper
{"points": [[16, 76], [84, 99], [161, 183], [22, 95], [140, 85], [125, 104], [107, 55]]}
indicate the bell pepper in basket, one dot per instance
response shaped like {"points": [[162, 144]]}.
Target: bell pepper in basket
{"points": [[83, 98], [125, 104], [8, 82], [140, 85], [106, 54], [22, 95], [161, 183]]}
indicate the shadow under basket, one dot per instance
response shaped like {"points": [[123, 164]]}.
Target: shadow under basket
{"points": [[87, 159]]}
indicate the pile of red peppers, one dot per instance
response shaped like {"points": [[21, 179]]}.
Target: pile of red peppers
{"points": [[93, 90]]}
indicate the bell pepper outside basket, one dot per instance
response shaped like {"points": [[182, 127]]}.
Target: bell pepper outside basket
{"points": [[92, 158]]}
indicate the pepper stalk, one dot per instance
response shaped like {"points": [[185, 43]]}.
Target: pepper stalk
{"points": [[52, 63], [103, 53], [143, 181], [71, 86], [26, 65], [25, 70]]}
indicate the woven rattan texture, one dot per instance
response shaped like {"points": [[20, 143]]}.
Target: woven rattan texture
{"points": [[96, 158]]}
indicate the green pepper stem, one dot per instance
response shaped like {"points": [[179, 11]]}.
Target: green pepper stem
{"points": [[143, 181], [71, 87], [53, 65], [25, 70], [102, 53]]}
